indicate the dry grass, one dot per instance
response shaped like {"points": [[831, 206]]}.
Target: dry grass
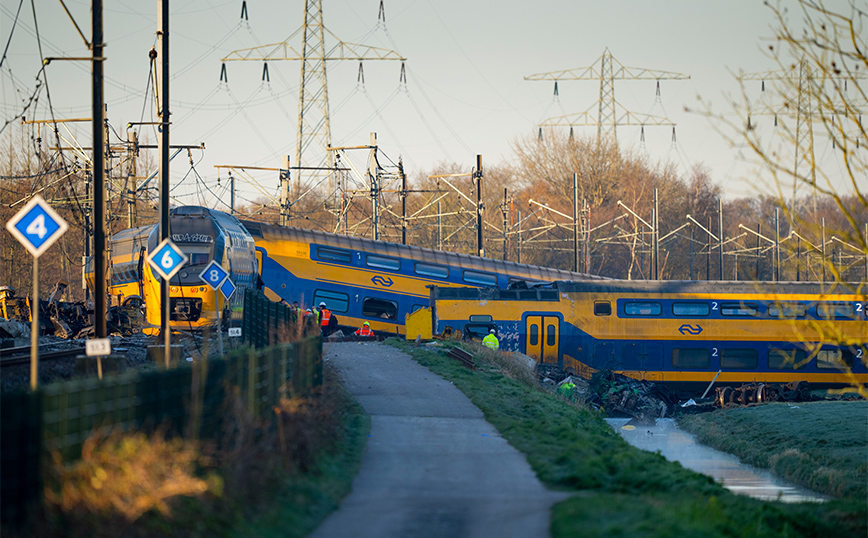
{"points": [[128, 475], [142, 485]]}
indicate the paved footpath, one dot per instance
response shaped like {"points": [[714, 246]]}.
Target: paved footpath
{"points": [[433, 466]]}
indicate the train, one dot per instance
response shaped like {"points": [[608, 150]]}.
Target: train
{"points": [[366, 280], [203, 235], [684, 333]]}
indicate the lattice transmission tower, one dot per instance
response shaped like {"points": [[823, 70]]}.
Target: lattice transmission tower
{"points": [[609, 112], [313, 133], [808, 107]]}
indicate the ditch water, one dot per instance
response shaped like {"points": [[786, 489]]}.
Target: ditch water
{"points": [[680, 446]]}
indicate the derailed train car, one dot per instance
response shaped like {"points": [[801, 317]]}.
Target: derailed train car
{"points": [[684, 333], [203, 234], [375, 281]]}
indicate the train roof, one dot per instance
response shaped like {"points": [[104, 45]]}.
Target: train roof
{"points": [[724, 287], [531, 272]]}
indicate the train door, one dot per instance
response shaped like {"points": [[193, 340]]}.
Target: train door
{"points": [[542, 338]]}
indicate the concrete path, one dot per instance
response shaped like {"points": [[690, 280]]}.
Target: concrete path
{"points": [[433, 465]]}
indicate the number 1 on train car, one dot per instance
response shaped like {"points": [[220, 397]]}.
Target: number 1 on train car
{"points": [[214, 275]]}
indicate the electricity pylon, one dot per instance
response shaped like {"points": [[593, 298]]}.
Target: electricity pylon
{"points": [[607, 69], [313, 134], [808, 106]]}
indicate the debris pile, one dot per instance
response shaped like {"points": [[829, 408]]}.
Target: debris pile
{"points": [[796, 391], [67, 320], [622, 396]]}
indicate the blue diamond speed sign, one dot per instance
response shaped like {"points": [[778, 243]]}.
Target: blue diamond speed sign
{"points": [[37, 226], [227, 288], [167, 259], [213, 275]]}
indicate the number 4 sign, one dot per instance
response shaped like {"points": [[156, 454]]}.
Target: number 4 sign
{"points": [[37, 226]]}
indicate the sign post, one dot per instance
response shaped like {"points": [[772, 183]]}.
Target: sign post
{"points": [[37, 227], [214, 275], [166, 260], [227, 288]]}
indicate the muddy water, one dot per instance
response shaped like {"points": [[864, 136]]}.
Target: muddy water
{"points": [[676, 445]]}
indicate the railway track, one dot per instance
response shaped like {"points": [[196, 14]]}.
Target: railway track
{"points": [[21, 355]]}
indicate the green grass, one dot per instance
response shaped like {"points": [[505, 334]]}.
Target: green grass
{"points": [[822, 446], [620, 490]]}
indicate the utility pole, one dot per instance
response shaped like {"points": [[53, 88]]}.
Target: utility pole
{"points": [[99, 179], [133, 144], [231, 194], [374, 173], [163, 142], [477, 174], [586, 234], [720, 237], [503, 209], [655, 238], [777, 251], [403, 201], [575, 222], [439, 228], [519, 237], [284, 191]]}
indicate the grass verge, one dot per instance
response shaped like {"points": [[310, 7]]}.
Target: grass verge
{"points": [[819, 445], [621, 491], [277, 476]]}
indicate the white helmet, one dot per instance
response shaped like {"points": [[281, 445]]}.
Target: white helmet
{"points": [[322, 304]]}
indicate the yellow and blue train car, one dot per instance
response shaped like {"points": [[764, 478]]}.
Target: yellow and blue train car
{"points": [[203, 234], [684, 333], [365, 280]]}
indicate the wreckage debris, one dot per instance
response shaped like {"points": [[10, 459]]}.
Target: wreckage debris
{"points": [[67, 320], [619, 395], [756, 393]]}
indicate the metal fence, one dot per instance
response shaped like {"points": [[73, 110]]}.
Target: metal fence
{"points": [[189, 399], [266, 322]]}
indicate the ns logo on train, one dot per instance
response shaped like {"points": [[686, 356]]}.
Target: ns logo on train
{"points": [[385, 282], [690, 329]]}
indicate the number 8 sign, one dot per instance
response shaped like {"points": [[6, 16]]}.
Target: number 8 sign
{"points": [[213, 275], [167, 259]]}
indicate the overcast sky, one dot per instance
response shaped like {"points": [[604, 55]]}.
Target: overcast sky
{"points": [[466, 63]]}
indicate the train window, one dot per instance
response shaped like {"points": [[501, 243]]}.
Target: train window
{"points": [[738, 309], [198, 258], [787, 310], [480, 318], [382, 262], [602, 308], [427, 269], [334, 255], [336, 302], [379, 308], [738, 359], [417, 307], [534, 335], [787, 359], [636, 308], [550, 335], [484, 279], [690, 309], [835, 310], [693, 358], [834, 358]]}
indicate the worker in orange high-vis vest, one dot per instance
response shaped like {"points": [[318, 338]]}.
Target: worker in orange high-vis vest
{"points": [[325, 316], [364, 330]]}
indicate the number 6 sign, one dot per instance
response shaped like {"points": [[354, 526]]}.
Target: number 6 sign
{"points": [[167, 259]]}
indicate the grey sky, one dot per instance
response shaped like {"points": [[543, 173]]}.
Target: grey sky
{"points": [[466, 62]]}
